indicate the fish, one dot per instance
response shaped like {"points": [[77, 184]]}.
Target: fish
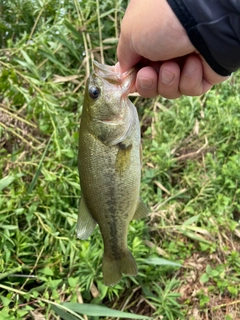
{"points": [[109, 163]]}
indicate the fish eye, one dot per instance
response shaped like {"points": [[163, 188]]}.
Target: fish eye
{"points": [[94, 92]]}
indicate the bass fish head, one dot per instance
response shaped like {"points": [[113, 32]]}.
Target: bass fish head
{"points": [[107, 111]]}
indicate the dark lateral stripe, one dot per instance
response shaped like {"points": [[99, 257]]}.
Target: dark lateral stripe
{"points": [[190, 25]]}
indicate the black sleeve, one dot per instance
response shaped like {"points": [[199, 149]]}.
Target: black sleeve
{"points": [[213, 26]]}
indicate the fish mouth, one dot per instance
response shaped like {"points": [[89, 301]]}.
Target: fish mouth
{"points": [[109, 73]]}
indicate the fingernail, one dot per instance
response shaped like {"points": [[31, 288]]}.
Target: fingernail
{"points": [[166, 76], [191, 67], [146, 83]]}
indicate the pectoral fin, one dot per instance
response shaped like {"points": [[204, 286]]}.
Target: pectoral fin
{"points": [[85, 223], [141, 211]]}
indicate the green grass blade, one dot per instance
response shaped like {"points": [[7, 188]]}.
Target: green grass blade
{"points": [[100, 311], [47, 53], [34, 180], [67, 44], [74, 31], [191, 220], [63, 314], [30, 64], [6, 274], [161, 262]]}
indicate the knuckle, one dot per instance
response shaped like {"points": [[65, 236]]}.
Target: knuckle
{"points": [[173, 94], [169, 91], [192, 91]]}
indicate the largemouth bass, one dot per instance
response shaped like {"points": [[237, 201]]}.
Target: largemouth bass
{"points": [[109, 167]]}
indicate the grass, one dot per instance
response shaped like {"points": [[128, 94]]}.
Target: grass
{"points": [[190, 180]]}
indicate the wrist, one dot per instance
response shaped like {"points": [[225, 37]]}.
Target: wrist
{"points": [[175, 34]]}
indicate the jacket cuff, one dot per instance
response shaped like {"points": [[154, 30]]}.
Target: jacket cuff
{"points": [[191, 26]]}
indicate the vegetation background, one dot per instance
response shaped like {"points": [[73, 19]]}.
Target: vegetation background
{"points": [[190, 180]]}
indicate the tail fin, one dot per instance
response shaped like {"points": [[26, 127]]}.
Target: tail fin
{"points": [[113, 269]]}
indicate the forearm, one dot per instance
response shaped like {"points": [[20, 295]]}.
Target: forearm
{"points": [[213, 27]]}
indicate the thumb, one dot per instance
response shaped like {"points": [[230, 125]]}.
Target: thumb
{"points": [[126, 56], [211, 76]]}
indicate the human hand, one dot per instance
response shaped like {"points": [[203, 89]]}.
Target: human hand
{"points": [[153, 38]]}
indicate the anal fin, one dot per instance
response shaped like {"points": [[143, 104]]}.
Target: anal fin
{"points": [[85, 223], [141, 211]]}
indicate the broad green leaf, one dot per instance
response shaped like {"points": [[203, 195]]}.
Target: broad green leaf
{"points": [[6, 181], [204, 278], [5, 301], [100, 311], [48, 271], [73, 282]]}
